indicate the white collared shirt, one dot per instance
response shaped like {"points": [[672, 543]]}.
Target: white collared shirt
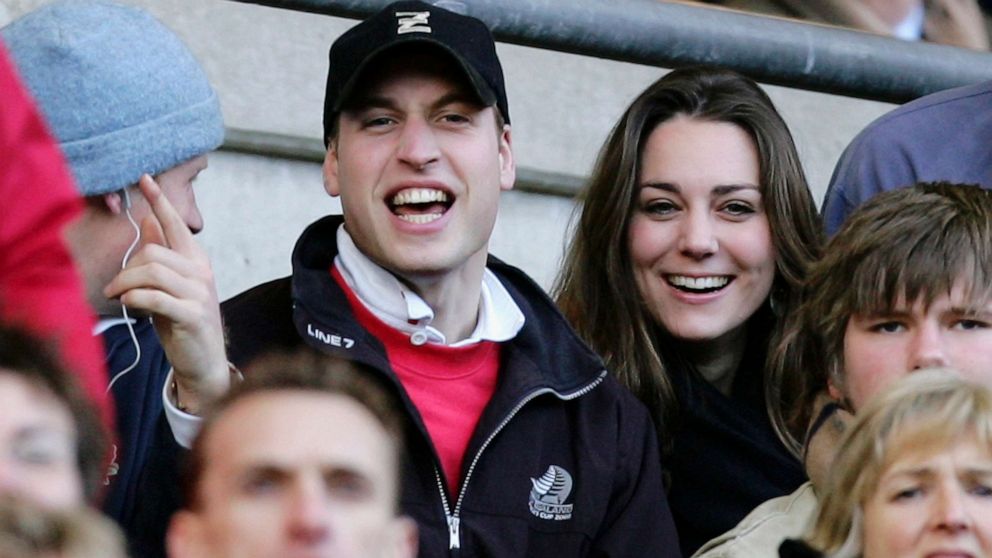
{"points": [[402, 309], [105, 323]]}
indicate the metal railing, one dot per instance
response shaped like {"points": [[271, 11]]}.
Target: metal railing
{"points": [[669, 35], [770, 50]]}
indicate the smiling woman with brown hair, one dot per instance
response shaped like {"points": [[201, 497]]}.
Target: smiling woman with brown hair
{"points": [[697, 228]]}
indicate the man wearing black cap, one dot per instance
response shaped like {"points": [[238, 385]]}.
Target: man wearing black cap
{"points": [[518, 442]]}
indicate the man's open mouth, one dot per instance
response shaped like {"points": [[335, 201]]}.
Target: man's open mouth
{"points": [[420, 205]]}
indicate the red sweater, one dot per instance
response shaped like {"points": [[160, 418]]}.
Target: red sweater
{"points": [[450, 386], [40, 288]]}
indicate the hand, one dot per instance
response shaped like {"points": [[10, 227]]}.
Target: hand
{"points": [[171, 279], [956, 22]]}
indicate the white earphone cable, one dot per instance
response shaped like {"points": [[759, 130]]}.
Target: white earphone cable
{"points": [[127, 319]]}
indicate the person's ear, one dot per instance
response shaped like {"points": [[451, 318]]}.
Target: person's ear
{"points": [[507, 166], [837, 392], [834, 391], [114, 202], [330, 170]]}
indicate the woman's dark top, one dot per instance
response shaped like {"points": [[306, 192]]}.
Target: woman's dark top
{"points": [[725, 458]]}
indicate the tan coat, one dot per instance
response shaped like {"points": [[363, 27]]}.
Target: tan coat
{"points": [[760, 533]]}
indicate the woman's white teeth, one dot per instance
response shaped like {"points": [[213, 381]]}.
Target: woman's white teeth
{"points": [[419, 195], [420, 218], [698, 283]]}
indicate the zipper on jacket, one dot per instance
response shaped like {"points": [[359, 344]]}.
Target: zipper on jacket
{"points": [[454, 519], [453, 540]]}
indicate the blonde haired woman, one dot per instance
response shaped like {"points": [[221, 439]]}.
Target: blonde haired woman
{"points": [[913, 476]]}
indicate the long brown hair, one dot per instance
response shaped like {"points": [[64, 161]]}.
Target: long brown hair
{"points": [[596, 289]]}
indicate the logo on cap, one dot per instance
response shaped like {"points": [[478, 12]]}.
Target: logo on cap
{"points": [[412, 22]]}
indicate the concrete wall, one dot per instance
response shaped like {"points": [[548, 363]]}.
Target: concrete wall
{"points": [[269, 66]]}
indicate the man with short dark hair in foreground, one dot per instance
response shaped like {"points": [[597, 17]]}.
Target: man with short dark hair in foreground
{"points": [[300, 459]]}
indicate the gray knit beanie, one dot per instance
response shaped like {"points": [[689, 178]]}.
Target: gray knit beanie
{"points": [[119, 90]]}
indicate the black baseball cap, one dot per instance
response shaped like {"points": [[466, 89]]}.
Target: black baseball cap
{"points": [[465, 38]]}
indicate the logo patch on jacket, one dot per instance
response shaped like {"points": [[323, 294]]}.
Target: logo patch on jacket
{"points": [[329, 338], [548, 495]]}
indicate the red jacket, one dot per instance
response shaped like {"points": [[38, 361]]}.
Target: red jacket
{"points": [[40, 288]]}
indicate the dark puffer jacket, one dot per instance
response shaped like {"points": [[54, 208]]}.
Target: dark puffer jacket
{"points": [[555, 414]]}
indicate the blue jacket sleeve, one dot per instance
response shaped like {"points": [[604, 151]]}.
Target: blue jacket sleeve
{"points": [[160, 492], [873, 163]]}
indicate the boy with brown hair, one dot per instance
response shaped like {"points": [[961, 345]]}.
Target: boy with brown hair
{"points": [[904, 285]]}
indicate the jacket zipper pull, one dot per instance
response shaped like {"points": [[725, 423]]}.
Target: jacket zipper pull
{"points": [[453, 539]]}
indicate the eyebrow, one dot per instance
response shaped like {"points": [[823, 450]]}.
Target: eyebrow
{"points": [[370, 102], [971, 310], [456, 97], [882, 313], [269, 467], [926, 472], [41, 429], [720, 190], [974, 311], [913, 472], [383, 102]]}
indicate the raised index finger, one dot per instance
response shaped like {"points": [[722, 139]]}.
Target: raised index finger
{"points": [[177, 234]]}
